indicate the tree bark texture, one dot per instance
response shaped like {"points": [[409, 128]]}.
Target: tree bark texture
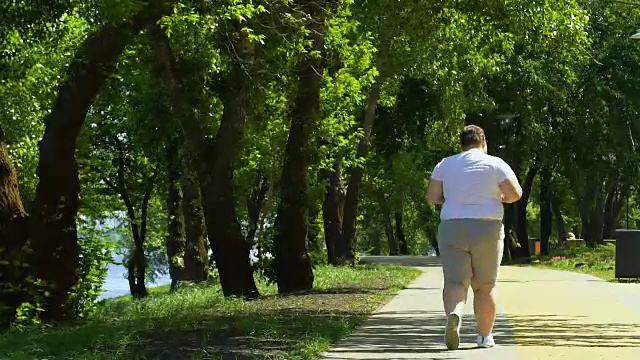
{"points": [[196, 257], [13, 237], [332, 212]]}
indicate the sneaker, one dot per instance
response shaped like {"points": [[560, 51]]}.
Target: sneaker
{"points": [[452, 332], [486, 342]]}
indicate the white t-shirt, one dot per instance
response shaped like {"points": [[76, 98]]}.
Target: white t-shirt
{"points": [[471, 183]]}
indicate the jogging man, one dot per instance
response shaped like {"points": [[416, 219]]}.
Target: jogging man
{"points": [[471, 187]]}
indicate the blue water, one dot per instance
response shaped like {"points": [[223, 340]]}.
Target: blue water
{"points": [[117, 285]]}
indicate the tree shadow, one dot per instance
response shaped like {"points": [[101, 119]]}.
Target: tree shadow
{"points": [[418, 261], [349, 290], [268, 334], [407, 334], [249, 335]]}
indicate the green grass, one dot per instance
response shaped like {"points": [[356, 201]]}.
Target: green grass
{"points": [[199, 323], [598, 261]]}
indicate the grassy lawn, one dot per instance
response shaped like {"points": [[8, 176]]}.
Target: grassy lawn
{"points": [[198, 323], [599, 262]]}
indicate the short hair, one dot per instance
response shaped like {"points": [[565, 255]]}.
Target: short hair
{"points": [[472, 136]]}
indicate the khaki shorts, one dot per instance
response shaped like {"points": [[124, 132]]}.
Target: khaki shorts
{"points": [[471, 251]]}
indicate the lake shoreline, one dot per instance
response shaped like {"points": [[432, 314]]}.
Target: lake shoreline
{"points": [[116, 285]]}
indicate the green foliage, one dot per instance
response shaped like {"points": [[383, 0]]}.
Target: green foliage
{"points": [[96, 252], [30, 71], [27, 316]]}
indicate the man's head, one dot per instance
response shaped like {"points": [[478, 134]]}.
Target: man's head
{"points": [[472, 137]]}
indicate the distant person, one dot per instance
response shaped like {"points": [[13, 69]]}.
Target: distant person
{"points": [[471, 186]]}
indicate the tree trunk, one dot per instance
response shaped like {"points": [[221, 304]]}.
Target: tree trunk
{"points": [[557, 214], [196, 258], [402, 240], [332, 211], [391, 239], [509, 249], [609, 216], [175, 240], [426, 217], [215, 163], [376, 242], [54, 238], [230, 248], [254, 205], [545, 210], [521, 212], [434, 244], [314, 239], [137, 265], [356, 173], [13, 236], [593, 224], [613, 209], [292, 262], [138, 262], [260, 246]]}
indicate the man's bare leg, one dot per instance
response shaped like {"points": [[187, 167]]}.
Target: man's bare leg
{"points": [[454, 297], [484, 306]]}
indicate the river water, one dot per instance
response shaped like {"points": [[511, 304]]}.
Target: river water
{"points": [[117, 285]]}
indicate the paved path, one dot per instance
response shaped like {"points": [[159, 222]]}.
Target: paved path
{"points": [[543, 314]]}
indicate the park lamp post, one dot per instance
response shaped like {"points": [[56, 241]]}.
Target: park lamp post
{"points": [[635, 36]]}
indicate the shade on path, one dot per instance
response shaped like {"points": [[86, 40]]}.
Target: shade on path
{"points": [[543, 314]]}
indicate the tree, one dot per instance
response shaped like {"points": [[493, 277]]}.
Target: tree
{"points": [[196, 259], [175, 243], [292, 262], [215, 173], [13, 235], [52, 218]]}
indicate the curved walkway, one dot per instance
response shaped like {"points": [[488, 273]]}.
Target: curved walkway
{"points": [[543, 314]]}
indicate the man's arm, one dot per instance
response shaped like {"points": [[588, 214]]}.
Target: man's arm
{"points": [[510, 188], [511, 191], [435, 193]]}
